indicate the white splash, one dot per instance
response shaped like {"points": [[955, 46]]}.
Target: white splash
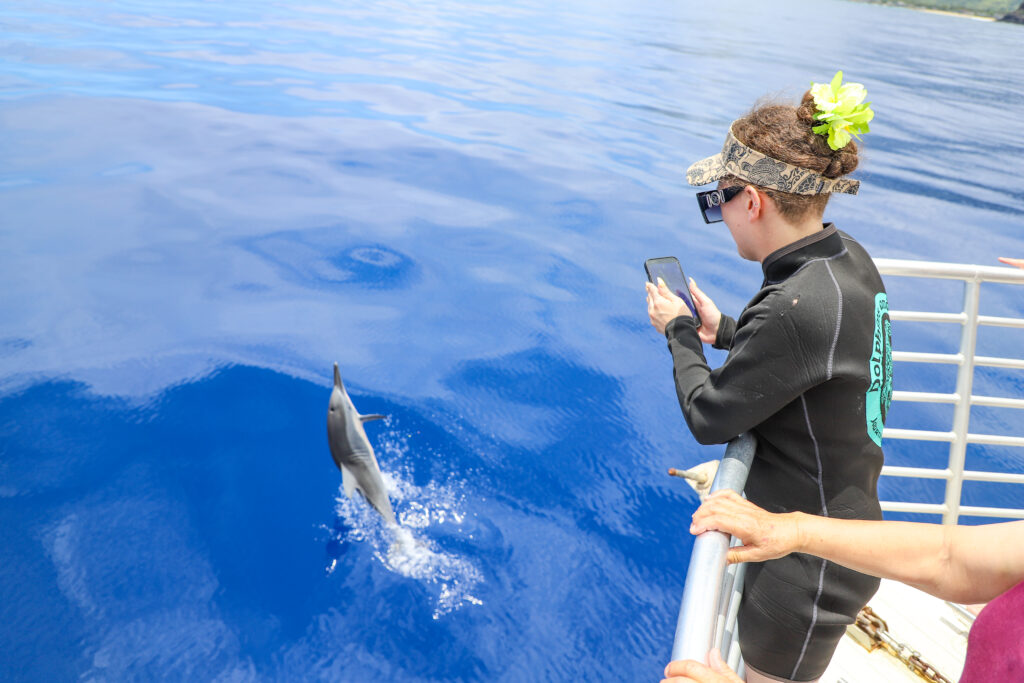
{"points": [[405, 549]]}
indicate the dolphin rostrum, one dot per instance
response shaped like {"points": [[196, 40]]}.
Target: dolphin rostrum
{"points": [[352, 451]]}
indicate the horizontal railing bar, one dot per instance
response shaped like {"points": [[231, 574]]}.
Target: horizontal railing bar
{"points": [[948, 271], [994, 401], [925, 317], [925, 435], [995, 477], [968, 475], [930, 397], [997, 322], [957, 359], [914, 472], [925, 397], [961, 318], [965, 510], [918, 357], [993, 439], [927, 508], [1008, 513], [917, 434], [992, 362]]}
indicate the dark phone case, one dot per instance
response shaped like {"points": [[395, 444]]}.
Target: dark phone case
{"points": [[692, 306]]}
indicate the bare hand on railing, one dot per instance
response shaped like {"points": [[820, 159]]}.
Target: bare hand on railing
{"points": [[1019, 262], [765, 536], [690, 671]]}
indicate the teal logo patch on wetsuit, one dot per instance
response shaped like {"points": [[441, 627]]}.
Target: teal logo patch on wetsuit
{"points": [[879, 394]]}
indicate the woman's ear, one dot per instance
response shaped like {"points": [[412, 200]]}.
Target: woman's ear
{"points": [[754, 201]]}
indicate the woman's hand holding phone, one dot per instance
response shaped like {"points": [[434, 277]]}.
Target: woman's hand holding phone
{"points": [[663, 306], [709, 314]]}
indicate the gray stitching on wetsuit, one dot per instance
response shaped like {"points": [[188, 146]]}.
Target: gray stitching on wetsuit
{"points": [[814, 618], [839, 323], [824, 513], [817, 457]]}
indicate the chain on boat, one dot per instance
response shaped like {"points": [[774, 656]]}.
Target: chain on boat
{"points": [[872, 633]]}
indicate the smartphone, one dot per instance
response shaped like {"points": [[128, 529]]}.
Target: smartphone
{"points": [[669, 270]]}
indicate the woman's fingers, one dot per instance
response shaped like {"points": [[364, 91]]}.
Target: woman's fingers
{"points": [[663, 306], [1018, 262], [691, 671], [716, 661], [710, 316], [667, 293], [699, 297], [764, 535], [746, 553]]}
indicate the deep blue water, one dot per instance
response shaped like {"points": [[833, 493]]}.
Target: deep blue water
{"points": [[204, 205]]}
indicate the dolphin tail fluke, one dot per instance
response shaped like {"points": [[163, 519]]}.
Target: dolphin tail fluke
{"points": [[384, 508], [348, 481], [367, 418]]}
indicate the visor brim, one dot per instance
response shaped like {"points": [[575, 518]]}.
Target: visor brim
{"points": [[706, 171]]}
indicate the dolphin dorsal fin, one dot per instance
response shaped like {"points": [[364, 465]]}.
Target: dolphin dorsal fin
{"points": [[367, 418]]}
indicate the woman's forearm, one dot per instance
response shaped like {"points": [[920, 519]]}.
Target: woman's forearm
{"points": [[957, 563], [904, 551], [967, 564]]}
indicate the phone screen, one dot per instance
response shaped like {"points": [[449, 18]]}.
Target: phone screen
{"points": [[669, 270]]}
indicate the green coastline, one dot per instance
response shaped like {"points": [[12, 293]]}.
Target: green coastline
{"points": [[989, 9]]}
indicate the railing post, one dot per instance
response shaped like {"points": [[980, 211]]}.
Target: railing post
{"points": [[695, 628], [962, 412]]}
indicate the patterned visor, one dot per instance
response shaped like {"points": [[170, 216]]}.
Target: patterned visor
{"points": [[743, 162]]}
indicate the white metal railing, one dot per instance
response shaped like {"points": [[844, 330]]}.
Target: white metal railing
{"points": [[962, 399], [707, 615]]}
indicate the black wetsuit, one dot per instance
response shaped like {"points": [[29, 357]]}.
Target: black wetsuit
{"points": [[809, 371]]}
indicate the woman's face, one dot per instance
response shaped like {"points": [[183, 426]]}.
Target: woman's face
{"points": [[736, 215]]}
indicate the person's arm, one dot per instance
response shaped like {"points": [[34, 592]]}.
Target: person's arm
{"points": [[776, 355], [726, 333], [965, 564]]}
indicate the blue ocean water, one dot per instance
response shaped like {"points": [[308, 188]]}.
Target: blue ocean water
{"points": [[204, 205]]}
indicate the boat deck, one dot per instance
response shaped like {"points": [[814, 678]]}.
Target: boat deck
{"points": [[932, 627]]}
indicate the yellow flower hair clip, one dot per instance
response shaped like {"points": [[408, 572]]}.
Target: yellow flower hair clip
{"points": [[840, 110]]}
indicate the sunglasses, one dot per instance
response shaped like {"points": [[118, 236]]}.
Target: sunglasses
{"points": [[711, 202]]}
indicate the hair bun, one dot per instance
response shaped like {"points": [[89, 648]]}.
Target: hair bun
{"points": [[835, 168], [842, 162], [806, 111]]}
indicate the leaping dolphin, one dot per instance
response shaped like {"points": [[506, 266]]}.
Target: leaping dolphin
{"points": [[352, 451]]}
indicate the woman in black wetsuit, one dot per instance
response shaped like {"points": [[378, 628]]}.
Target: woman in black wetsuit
{"points": [[809, 371]]}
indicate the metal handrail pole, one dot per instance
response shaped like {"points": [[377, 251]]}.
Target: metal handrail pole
{"points": [[730, 642], [722, 614], [698, 613], [962, 411]]}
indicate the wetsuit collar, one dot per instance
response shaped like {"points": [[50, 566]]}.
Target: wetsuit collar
{"points": [[782, 263]]}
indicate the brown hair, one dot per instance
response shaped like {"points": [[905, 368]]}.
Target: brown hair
{"points": [[784, 132]]}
